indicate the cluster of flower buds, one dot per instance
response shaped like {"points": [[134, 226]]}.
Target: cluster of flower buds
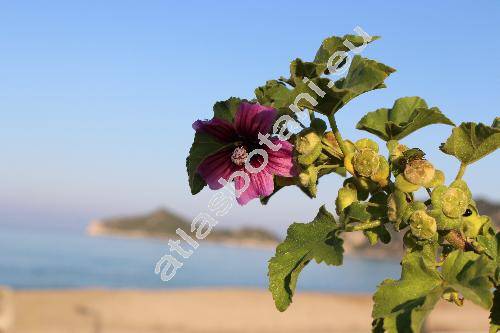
{"points": [[413, 171], [316, 153], [363, 161]]}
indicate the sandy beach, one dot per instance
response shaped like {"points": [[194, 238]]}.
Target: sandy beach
{"points": [[212, 311]]}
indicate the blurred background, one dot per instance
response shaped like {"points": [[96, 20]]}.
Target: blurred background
{"points": [[97, 99]]}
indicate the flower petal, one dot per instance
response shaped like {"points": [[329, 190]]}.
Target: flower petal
{"points": [[218, 128], [216, 166], [281, 162], [261, 185], [252, 119]]}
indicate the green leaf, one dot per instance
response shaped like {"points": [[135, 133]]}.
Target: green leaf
{"points": [[357, 211], [300, 69], [404, 304], [490, 242], [407, 115], [470, 142], [376, 234], [227, 109], [304, 242], [469, 273], [364, 75], [203, 146], [275, 94], [496, 123], [335, 44]]}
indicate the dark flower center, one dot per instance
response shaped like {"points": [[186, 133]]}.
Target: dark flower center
{"points": [[239, 156]]}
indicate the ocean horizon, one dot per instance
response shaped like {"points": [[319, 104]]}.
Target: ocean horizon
{"points": [[43, 259]]}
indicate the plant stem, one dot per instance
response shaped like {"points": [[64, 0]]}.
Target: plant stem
{"points": [[311, 114], [461, 171], [336, 133], [364, 226], [326, 166]]}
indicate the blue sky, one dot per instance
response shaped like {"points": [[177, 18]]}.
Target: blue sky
{"points": [[97, 97]]}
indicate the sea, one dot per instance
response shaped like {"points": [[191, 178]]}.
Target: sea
{"points": [[48, 259]]}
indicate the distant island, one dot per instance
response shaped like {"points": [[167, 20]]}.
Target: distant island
{"points": [[162, 224]]}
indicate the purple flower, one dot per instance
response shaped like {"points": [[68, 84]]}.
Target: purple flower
{"points": [[242, 137]]}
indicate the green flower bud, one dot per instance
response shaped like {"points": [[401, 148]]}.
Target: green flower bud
{"points": [[331, 145], [382, 175], [346, 196], [308, 147], [419, 172], [348, 163], [437, 180], [392, 208], [366, 184], [361, 188], [422, 225], [473, 222], [396, 149], [366, 162], [405, 186], [454, 202], [449, 204], [367, 144], [308, 178]]}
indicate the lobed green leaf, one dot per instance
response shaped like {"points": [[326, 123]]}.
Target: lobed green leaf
{"points": [[316, 240], [226, 110], [407, 115], [469, 273], [364, 75], [470, 142], [404, 304]]}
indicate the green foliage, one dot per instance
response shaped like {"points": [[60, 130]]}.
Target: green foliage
{"points": [[364, 75], [379, 192], [316, 240], [402, 305], [227, 109], [407, 115], [468, 273], [335, 44], [470, 142]]}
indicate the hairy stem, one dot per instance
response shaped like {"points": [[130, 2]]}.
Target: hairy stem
{"points": [[326, 166], [336, 133], [311, 114], [364, 226], [461, 171]]}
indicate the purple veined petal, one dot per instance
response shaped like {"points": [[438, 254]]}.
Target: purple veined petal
{"points": [[261, 184], [216, 166], [252, 119], [280, 162], [218, 128]]}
